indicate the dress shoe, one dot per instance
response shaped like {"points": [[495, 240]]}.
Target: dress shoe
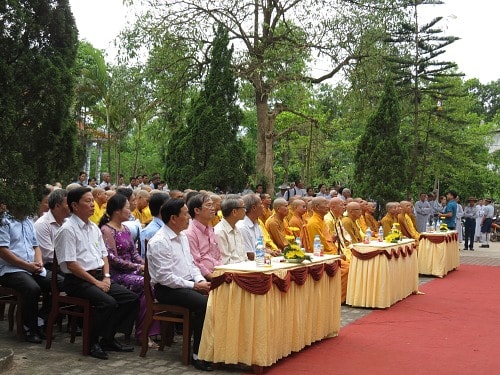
{"points": [[485, 246], [42, 332], [97, 352], [34, 338], [202, 365], [115, 346], [471, 249]]}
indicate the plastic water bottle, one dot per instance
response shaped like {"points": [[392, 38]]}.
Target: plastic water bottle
{"points": [[260, 254], [267, 260], [380, 234], [427, 227], [368, 235], [317, 246]]}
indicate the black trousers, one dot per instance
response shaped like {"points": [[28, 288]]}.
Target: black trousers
{"points": [[31, 287], [116, 308], [470, 232], [194, 301]]}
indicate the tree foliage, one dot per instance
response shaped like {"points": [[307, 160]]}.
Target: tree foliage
{"points": [[488, 98], [274, 41], [379, 154], [207, 152], [38, 43], [419, 73]]}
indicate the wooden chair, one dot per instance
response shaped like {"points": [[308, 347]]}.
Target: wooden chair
{"points": [[13, 298], [168, 315], [74, 307]]}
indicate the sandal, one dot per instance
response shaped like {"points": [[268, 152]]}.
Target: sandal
{"points": [[152, 344]]}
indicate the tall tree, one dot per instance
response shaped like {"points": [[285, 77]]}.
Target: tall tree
{"points": [[38, 43], [379, 153], [208, 152], [419, 72], [275, 41]]}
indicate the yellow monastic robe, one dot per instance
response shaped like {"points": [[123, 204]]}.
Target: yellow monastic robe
{"points": [[98, 212], [317, 226], [407, 227], [144, 215], [267, 238]]}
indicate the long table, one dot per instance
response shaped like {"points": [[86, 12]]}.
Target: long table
{"points": [[438, 253], [381, 273], [257, 316]]}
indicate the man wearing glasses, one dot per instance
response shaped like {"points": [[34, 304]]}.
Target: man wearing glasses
{"points": [[202, 241], [229, 237]]}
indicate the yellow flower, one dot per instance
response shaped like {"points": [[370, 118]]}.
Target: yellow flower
{"points": [[393, 237], [443, 227]]}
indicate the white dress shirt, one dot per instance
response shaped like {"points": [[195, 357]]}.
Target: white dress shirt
{"points": [[170, 261], [46, 228], [250, 232], [230, 243], [80, 242]]}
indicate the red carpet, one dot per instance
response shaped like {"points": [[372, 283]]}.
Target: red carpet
{"points": [[453, 329]]}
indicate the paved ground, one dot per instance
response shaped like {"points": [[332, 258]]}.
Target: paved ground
{"points": [[66, 358]]}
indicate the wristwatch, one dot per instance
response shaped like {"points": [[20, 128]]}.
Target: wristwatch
{"points": [[107, 275]]}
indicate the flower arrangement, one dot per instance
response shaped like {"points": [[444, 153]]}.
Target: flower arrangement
{"points": [[395, 235], [293, 253]]}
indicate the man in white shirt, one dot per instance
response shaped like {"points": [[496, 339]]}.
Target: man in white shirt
{"points": [[47, 226], [83, 258], [176, 279], [249, 226], [106, 181], [296, 189], [228, 235]]}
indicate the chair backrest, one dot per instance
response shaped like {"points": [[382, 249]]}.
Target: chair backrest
{"points": [[54, 287], [148, 294]]}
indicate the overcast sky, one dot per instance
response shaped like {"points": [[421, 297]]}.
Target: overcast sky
{"points": [[475, 22]]}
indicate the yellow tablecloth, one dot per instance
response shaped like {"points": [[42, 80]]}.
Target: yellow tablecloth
{"points": [[241, 327], [438, 253], [380, 281]]}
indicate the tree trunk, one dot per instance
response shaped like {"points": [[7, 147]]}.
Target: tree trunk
{"points": [[108, 125], [98, 162], [88, 156], [265, 127], [137, 147]]}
